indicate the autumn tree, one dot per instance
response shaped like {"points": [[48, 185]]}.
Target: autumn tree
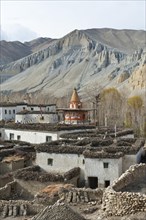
{"points": [[110, 107], [135, 113]]}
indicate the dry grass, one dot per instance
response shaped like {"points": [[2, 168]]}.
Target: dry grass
{"points": [[53, 189]]}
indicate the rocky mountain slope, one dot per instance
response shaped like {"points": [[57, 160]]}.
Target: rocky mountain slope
{"points": [[82, 59], [12, 51]]}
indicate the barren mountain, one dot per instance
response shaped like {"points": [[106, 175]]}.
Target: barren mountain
{"points": [[38, 44], [12, 51], [104, 57]]}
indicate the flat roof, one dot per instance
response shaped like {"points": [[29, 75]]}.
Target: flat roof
{"points": [[25, 112], [9, 104], [74, 147], [46, 127]]}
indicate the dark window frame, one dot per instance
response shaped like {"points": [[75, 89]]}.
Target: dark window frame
{"points": [[105, 165], [50, 161], [18, 137], [48, 138]]}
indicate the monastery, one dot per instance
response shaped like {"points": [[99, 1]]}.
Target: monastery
{"points": [[75, 114]]}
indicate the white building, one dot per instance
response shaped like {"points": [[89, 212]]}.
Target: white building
{"points": [[8, 110], [37, 133], [28, 113], [99, 167]]}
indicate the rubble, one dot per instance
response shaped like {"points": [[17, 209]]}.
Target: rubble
{"points": [[59, 211]]}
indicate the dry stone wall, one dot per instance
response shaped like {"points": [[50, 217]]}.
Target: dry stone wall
{"points": [[78, 195], [18, 208], [118, 203], [5, 192]]}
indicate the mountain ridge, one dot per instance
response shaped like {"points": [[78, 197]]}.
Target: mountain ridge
{"points": [[77, 60], [11, 51]]}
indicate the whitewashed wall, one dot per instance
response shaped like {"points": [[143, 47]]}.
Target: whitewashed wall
{"points": [[20, 108], [94, 168], [47, 108], [35, 137], [10, 115], [61, 162], [90, 167], [36, 118]]}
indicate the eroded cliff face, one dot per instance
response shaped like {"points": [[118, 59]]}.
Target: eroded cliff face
{"points": [[76, 60], [137, 80]]}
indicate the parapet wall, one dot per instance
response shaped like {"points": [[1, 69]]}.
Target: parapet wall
{"points": [[120, 203]]}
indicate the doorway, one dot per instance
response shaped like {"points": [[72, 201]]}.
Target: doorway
{"points": [[106, 183], [93, 182]]}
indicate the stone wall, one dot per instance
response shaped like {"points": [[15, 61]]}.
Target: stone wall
{"points": [[6, 167], [116, 202], [19, 208], [5, 179], [79, 195], [5, 192]]}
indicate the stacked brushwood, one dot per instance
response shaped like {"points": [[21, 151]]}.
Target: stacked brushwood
{"points": [[34, 173]]}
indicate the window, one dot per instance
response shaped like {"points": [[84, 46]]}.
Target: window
{"points": [[32, 109], [48, 109], [105, 165], [0, 134], [9, 111], [5, 111], [106, 183], [23, 108], [42, 118], [48, 138], [50, 161], [83, 161], [11, 136], [18, 137], [14, 111]]}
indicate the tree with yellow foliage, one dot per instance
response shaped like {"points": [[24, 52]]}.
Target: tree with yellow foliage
{"points": [[111, 101], [135, 108]]}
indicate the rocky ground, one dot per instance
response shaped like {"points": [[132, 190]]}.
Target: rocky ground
{"points": [[90, 212]]}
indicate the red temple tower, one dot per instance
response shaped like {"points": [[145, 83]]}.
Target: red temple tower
{"points": [[75, 114]]}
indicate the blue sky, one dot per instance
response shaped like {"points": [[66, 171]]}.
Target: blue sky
{"points": [[26, 20]]}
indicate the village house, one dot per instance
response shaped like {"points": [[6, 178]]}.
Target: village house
{"points": [[28, 113], [8, 110], [38, 133], [99, 165], [37, 114]]}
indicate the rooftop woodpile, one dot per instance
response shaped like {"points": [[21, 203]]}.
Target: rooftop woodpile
{"points": [[35, 173], [95, 148], [14, 151], [47, 127], [99, 133], [101, 154], [61, 149]]}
